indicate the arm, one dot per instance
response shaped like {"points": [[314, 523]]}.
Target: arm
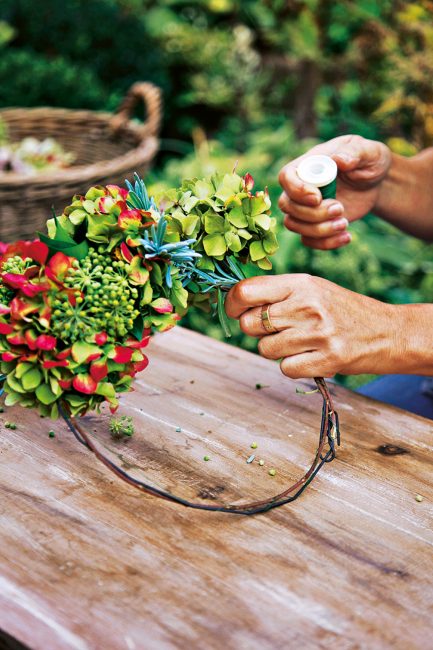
{"points": [[405, 196]]}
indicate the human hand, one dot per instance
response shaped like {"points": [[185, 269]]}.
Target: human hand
{"points": [[362, 166], [322, 329]]}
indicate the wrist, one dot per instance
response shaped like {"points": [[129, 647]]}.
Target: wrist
{"points": [[393, 190], [409, 347]]}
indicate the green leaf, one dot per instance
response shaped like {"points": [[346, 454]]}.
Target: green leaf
{"points": [[265, 264], [80, 251], [21, 369], [12, 398], [189, 224], [137, 329], [81, 351], [244, 234], [54, 244], [61, 233], [94, 193], [31, 379], [213, 223], [237, 217], [54, 414], [270, 243], [214, 245], [45, 394], [55, 387], [259, 204], [77, 216], [223, 318], [203, 189], [188, 202], [179, 295], [106, 389], [231, 184], [257, 251], [147, 295], [89, 207], [156, 274], [233, 242], [14, 384], [263, 220]]}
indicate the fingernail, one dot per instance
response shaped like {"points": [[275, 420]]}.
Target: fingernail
{"points": [[346, 238], [339, 224], [335, 209]]}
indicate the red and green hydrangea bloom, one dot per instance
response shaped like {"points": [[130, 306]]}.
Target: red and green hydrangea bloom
{"points": [[78, 306]]}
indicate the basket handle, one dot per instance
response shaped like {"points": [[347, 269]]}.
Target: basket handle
{"points": [[151, 97]]}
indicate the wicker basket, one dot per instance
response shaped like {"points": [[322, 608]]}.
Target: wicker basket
{"points": [[108, 148]]}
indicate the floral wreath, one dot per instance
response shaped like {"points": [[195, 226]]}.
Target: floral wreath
{"points": [[78, 305]]}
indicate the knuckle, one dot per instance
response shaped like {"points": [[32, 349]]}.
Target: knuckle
{"points": [[245, 323], [262, 346], [267, 348], [355, 139], [303, 280], [290, 369], [241, 291]]}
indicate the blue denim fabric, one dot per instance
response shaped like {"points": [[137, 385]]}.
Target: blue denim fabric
{"points": [[410, 392]]}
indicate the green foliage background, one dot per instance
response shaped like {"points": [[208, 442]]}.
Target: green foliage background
{"points": [[258, 81]]}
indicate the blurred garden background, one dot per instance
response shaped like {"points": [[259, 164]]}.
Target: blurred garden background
{"points": [[252, 81]]}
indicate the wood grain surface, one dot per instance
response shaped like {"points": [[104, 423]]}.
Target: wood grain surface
{"points": [[87, 562]]}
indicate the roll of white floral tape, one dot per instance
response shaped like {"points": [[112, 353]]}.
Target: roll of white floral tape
{"points": [[320, 171]]}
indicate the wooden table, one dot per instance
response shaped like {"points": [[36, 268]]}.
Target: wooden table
{"points": [[87, 562]]}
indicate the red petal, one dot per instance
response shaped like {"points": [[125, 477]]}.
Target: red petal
{"points": [[65, 383], [122, 355], [64, 354], [38, 251], [126, 253], [16, 339], [55, 364], [248, 182], [58, 266], [46, 342], [117, 191], [162, 306], [131, 342], [31, 338], [14, 280], [101, 338], [141, 365], [31, 290], [31, 358], [99, 370], [22, 308], [4, 310], [5, 328], [9, 356], [45, 316], [84, 384], [128, 219], [104, 204]]}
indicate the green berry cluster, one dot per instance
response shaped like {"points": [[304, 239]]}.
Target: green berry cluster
{"points": [[104, 300], [16, 265], [122, 427]]}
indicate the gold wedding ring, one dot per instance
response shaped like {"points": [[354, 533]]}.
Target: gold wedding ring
{"points": [[266, 319]]}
